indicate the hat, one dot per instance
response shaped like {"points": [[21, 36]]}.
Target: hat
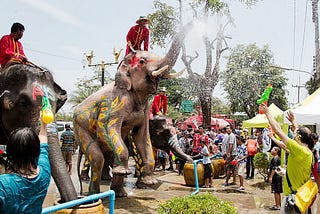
{"points": [[246, 130], [67, 126], [163, 89], [142, 18]]}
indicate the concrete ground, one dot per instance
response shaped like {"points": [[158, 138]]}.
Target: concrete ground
{"points": [[255, 199]]}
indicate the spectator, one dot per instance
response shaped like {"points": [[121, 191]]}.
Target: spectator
{"points": [[67, 147], [206, 163], [162, 155], [317, 149], [138, 34], [24, 188], [241, 160], [11, 49], [229, 145], [252, 148], [300, 153], [197, 137], [274, 178]]}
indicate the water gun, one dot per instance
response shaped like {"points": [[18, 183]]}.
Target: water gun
{"points": [[265, 95], [47, 115]]}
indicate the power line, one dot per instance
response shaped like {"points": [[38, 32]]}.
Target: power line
{"points": [[55, 55], [304, 33]]}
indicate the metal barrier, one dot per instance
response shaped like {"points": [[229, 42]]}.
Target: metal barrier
{"points": [[80, 201], [195, 172]]}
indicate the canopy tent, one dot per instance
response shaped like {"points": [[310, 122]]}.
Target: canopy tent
{"points": [[261, 121], [307, 112]]}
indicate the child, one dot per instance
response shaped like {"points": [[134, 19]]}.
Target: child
{"points": [[275, 179], [241, 159], [162, 155], [206, 163]]}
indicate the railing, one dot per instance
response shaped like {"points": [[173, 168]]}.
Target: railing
{"points": [[195, 172], [80, 201]]}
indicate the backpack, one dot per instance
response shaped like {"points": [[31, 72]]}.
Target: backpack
{"points": [[252, 147]]}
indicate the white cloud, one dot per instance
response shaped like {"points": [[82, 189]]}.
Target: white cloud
{"points": [[55, 12]]}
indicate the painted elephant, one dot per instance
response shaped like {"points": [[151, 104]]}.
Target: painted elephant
{"points": [[105, 118], [163, 136], [21, 87]]}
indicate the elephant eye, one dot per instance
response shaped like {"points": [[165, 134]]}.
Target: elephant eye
{"points": [[142, 61]]}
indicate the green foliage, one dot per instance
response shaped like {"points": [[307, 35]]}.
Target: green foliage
{"points": [[248, 73], [163, 23], [261, 162], [197, 204], [86, 87], [218, 107]]}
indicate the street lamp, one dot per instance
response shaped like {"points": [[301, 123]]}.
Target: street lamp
{"points": [[103, 64]]}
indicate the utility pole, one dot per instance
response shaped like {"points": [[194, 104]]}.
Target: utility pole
{"points": [[315, 20], [299, 87]]}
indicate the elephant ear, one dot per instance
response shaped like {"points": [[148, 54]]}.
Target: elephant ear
{"points": [[122, 77]]}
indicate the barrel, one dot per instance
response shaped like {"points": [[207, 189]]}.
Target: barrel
{"points": [[218, 167], [188, 174], [95, 207]]}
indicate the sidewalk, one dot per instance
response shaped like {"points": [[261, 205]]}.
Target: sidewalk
{"points": [[255, 199]]}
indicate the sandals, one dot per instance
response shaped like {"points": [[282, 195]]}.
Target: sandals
{"points": [[274, 207]]}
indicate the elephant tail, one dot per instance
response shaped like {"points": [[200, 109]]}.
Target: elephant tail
{"points": [[78, 168]]}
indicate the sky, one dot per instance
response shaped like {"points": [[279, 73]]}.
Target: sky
{"points": [[59, 32]]}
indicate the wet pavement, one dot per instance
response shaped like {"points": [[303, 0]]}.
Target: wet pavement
{"points": [[255, 199]]}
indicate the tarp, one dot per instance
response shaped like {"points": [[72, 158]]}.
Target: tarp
{"points": [[196, 120], [261, 121], [307, 112]]}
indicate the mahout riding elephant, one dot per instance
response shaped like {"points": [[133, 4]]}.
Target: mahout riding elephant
{"points": [[163, 136], [105, 118], [21, 91]]}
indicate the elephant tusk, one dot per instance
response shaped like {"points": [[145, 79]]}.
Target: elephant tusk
{"points": [[160, 71], [174, 75]]}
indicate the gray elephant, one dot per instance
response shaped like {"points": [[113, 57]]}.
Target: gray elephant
{"points": [[21, 89], [105, 118]]}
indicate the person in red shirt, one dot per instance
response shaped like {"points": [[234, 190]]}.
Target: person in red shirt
{"points": [[138, 34], [196, 148], [159, 104], [11, 49]]}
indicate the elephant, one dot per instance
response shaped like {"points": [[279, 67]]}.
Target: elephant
{"points": [[105, 118], [163, 136], [21, 91]]}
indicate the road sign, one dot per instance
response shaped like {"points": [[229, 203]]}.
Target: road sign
{"points": [[187, 106]]}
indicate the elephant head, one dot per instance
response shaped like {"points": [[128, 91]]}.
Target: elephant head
{"points": [[21, 89], [163, 136]]}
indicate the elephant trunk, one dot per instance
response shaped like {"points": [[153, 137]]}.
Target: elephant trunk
{"points": [[173, 53], [58, 167], [177, 151]]}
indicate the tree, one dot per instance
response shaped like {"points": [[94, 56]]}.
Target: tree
{"points": [[201, 85], [247, 75], [86, 87]]}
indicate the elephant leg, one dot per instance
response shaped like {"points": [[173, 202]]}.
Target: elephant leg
{"points": [[85, 170], [106, 167], [117, 185], [145, 150], [96, 162]]}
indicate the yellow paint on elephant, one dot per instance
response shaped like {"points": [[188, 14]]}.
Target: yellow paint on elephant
{"points": [[112, 132], [115, 106], [102, 116], [104, 109], [101, 135], [111, 122], [119, 149], [115, 139], [92, 125], [94, 178], [103, 97], [100, 124]]}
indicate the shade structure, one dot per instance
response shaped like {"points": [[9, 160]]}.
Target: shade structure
{"points": [[261, 121], [196, 121], [307, 112]]}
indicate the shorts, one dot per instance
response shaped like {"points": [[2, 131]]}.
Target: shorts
{"points": [[162, 160], [207, 170], [276, 185], [242, 169], [230, 167], [67, 156]]}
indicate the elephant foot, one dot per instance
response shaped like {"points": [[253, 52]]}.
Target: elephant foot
{"points": [[121, 170], [148, 180], [119, 190]]}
